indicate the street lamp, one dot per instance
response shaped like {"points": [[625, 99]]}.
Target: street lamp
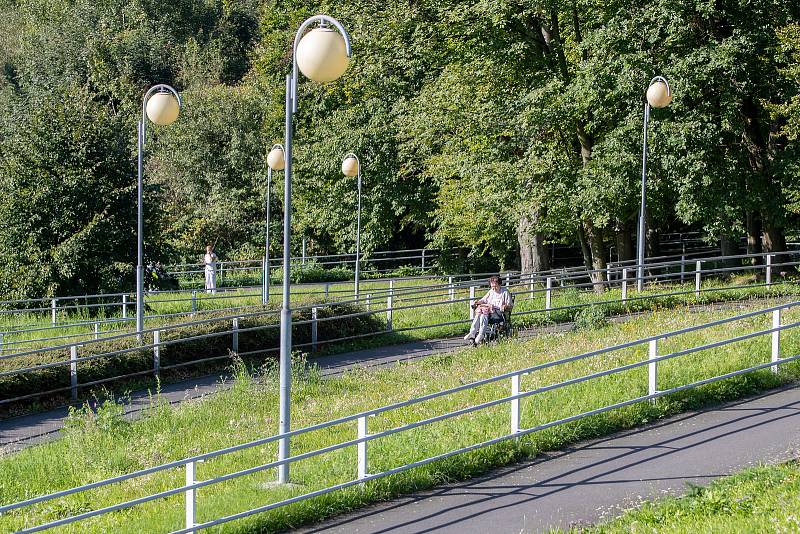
{"points": [[659, 95], [322, 55], [351, 166], [275, 161], [161, 104]]}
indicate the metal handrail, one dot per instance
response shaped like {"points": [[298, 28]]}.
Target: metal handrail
{"points": [[651, 361]]}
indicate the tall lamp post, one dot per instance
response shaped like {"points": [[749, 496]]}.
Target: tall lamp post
{"points": [[659, 95], [161, 104], [275, 161], [322, 55], [351, 166]]}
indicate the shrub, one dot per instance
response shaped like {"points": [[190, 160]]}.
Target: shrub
{"points": [[590, 318]]}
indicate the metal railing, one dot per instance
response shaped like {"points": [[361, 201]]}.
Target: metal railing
{"points": [[513, 430], [383, 303]]}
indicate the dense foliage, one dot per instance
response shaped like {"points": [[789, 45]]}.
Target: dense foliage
{"points": [[495, 125]]}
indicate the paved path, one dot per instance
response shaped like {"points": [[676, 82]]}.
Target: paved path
{"points": [[19, 432], [596, 480]]}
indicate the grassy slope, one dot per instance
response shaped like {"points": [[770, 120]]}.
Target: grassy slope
{"points": [[104, 446], [761, 499]]}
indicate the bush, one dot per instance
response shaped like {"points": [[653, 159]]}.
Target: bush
{"points": [[259, 336], [312, 272], [590, 318]]}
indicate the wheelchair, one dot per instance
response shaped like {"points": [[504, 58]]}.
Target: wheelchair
{"points": [[499, 326]]}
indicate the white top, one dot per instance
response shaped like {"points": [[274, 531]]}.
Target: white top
{"points": [[498, 299], [210, 261]]}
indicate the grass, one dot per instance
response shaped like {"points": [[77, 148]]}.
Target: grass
{"points": [[97, 447], [760, 499]]}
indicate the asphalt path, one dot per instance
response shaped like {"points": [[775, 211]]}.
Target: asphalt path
{"points": [[597, 480]]}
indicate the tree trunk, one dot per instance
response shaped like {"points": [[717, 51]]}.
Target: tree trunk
{"points": [[753, 224], [624, 240], [728, 247], [598, 251], [534, 255], [774, 239]]}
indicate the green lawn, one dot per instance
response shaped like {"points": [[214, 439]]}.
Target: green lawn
{"points": [[97, 447], [761, 499]]}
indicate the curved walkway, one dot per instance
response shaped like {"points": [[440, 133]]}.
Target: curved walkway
{"points": [[597, 480]]}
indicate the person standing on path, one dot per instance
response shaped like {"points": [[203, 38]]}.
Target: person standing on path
{"points": [[210, 259]]}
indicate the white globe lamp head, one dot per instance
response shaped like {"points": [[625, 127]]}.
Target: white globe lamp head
{"points": [[322, 55], [658, 94], [162, 108], [350, 166], [275, 159]]}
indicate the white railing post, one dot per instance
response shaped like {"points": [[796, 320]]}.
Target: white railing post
{"points": [[697, 274], [53, 310], [624, 284], [423, 259], [194, 302], [514, 404], [652, 368], [73, 371], [314, 329], [530, 286], [235, 335], [327, 290], [683, 268], [389, 302], [362, 447], [124, 306], [191, 496], [304, 252], [368, 300], [776, 339], [548, 297], [156, 352], [508, 280], [768, 268], [471, 300], [97, 330], [451, 292]]}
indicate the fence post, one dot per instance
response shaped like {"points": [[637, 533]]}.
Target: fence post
{"points": [[423, 259], [191, 496], [362, 447], [515, 404], [73, 371], [624, 284], [389, 300], [1, 343], [652, 368], [776, 339], [327, 289], [156, 352], [508, 280], [194, 302], [697, 273], [314, 329], [548, 298], [769, 269], [683, 268], [53, 310], [124, 306], [304, 252], [235, 335], [97, 330], [450, 289], [471, 299], [530, 287]]}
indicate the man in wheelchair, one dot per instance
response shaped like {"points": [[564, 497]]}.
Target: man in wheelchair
{"points": [[491, 311]]}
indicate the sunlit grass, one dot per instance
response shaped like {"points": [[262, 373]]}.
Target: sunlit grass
{"points": [[105, 446]]}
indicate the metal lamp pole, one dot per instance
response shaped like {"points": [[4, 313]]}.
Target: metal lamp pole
{"points": [[275, 160], [347, 169], [317, 71], [659, 95], [162, 112]]}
